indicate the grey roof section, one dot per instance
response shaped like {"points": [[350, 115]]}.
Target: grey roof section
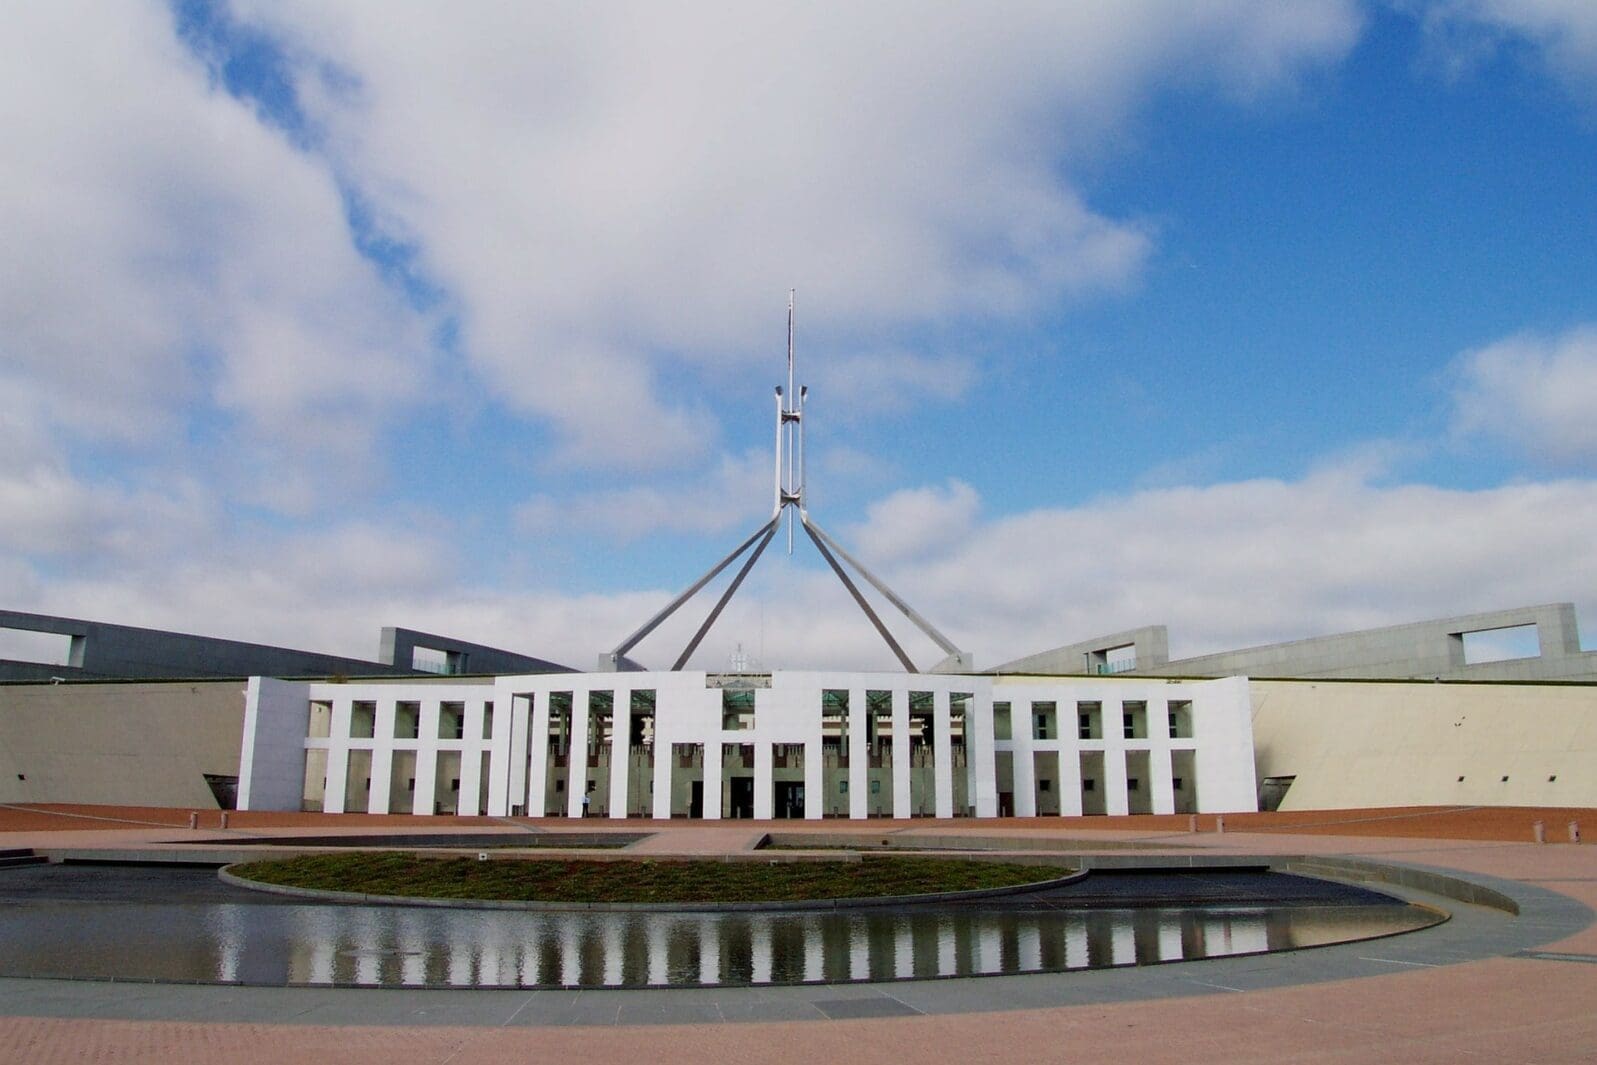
{"points": [[103, 651], [399, 647], [1151, 644], [1423, 649]]}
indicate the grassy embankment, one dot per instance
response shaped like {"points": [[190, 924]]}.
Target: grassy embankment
{"points": [[552, 880]]}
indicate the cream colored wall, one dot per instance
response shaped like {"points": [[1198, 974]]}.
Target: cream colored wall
{"points": [[146, 744], [1375, 743]]}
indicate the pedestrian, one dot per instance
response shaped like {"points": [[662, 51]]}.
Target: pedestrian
{"points": [[584, 804]]}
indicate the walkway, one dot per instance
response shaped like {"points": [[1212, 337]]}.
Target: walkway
{"points": [[1535, 1004]]}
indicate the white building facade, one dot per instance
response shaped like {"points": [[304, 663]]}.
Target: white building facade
{"points": [[779, 745]]}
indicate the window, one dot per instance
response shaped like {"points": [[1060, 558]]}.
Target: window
{"points": [[1084, 726], [1045, 785], [1133, 784], [1175, 782], [1089, 784], [454, 784]]}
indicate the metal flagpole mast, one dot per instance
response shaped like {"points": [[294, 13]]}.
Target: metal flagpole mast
{"points": [[788, 497], [787, 420]]}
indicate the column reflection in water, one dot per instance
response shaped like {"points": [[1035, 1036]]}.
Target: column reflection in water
{"points": [[400, 946]]}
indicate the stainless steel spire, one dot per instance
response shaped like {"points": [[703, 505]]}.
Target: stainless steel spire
{"points": [[788, 501]]}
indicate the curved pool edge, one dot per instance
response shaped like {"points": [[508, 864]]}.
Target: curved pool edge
{"points": [[1474, 933]]}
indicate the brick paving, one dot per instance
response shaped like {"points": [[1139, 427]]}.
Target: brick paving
{"points": [[1500, 1009]]}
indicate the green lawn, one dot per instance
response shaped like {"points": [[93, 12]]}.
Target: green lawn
{"points": [[547, 880]]}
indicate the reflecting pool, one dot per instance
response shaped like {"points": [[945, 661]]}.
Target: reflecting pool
{"points": [[368, 946]]}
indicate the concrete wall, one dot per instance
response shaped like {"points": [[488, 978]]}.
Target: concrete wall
{"points": [[1151, 644], [399, 648], [1368, 744], [103, 651], [1430, 649], [130, 743]]}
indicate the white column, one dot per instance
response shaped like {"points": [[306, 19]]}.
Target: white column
{"points": [[979, 749], [712, 776], [516, 791], [538, 755], [470, 760], [901, 767], [1161, 780], [666, 703], [498, 745], [1069, 772], [942, 756], [859, 758], [620, 751], [425, 795], [382, 758], [1025, 763], [337, 766], [1114, 776], [577, 759], [814, 776], [763, 778]]}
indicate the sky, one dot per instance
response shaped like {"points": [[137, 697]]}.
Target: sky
{"points": [[1257, 320]]}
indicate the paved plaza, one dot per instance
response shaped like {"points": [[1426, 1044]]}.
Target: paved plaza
{"points": [[1484, 986]]}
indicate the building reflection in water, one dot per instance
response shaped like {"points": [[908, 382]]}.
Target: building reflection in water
{"points": [[396, 946]]}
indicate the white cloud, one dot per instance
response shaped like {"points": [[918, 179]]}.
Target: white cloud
{"points": [[1538, 394], [1233, 565], [614, 191], [169, 259], [1564, 31], [1225, 566], [915, 522], [736, 492], [891, 381]]}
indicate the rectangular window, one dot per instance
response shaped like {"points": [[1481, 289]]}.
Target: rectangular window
{"points": [[1045, 785], [1047, 721]]}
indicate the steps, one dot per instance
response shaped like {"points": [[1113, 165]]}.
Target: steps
{"points": [[20, 856]]}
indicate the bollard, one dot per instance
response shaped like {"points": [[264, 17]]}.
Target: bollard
{"points": [[1192, 822], [1539, 830], [194, 819], [224, 818], [1574, 832], [1219, 823]]}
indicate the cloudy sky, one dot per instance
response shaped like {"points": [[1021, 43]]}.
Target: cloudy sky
{"points": [[1259, 320]]}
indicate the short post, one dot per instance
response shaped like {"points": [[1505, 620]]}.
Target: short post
{"points": [[1574, 832], [1539, 830], [1192, 822], [1219, 823], [194, 819], [224, 818]]}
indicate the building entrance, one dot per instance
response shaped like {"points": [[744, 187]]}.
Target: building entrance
{"points": [[789, 799], [740, 797]]}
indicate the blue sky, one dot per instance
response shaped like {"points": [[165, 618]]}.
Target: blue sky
{"points": [[1258, 320]]}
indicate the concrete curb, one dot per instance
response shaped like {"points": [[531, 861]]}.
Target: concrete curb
{"points": [[320, 895]]}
